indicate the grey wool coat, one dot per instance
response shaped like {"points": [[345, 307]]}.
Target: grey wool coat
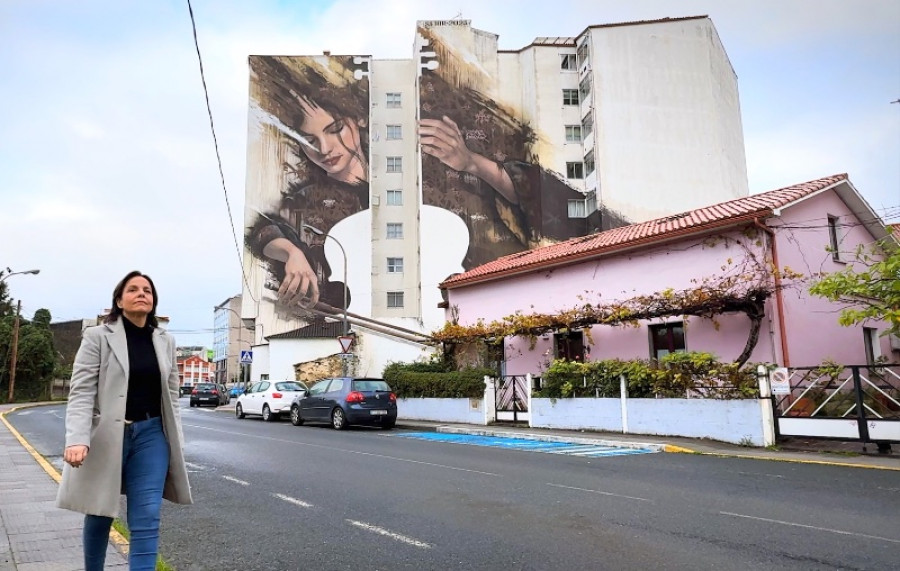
{"points": [[95, 417]]}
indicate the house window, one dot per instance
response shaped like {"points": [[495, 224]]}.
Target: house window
{"points": [[395, 299], [395, 164], [589, 163], [582, 52], [568, 62], [666, 338], [873, 348], [575, 170], [393, 100], [395, 265], [833, 238], [394, 132], [394, 230], [569, 345], [583, 208], [570, 96], [573, 133], [395, 198]]}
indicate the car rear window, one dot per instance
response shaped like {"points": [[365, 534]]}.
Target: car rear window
{"points": [[289, 386], [370, 385], [205, 387]]}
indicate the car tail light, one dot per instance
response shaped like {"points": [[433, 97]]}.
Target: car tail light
{"points": [[193, 392], [355, 396], [215, 392], [277, 395], [393, 397]]}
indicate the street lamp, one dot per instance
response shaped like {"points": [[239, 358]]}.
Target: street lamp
{"points": [[318, 232], [15, 339]]}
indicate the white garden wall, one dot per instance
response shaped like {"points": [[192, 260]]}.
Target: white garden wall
{"points": [[469, 411]]}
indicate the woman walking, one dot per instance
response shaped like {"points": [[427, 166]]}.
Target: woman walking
{"points": [[123, 427]]}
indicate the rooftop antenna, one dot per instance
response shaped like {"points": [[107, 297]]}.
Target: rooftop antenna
{"points": [[458, 15]]}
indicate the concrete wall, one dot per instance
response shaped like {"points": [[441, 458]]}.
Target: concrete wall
{"points": [[470, 411]]}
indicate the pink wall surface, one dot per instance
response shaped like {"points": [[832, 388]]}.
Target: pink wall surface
{"points": [[813, 332], [811, 323]]}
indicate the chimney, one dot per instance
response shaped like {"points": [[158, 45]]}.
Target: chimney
{"points": [[326, 53]]}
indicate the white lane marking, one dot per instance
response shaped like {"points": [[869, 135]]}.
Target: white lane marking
{"points": [[599, 492], [236, 481], [194, 466], [756, 474], [391, 534], [838, 531], [294, 501], [343, 450]]}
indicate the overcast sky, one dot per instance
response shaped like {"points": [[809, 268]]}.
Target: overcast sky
{"points": [[107, 162]]}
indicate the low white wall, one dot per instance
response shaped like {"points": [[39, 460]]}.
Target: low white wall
{"points": [[735, 421], [577, 413], [469, 411]]}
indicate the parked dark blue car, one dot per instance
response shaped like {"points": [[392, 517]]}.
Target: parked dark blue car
{"points": [[343, 401]]}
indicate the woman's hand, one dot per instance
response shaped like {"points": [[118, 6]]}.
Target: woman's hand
{"points": [[300, 284], [74, 455], [442, 139]]}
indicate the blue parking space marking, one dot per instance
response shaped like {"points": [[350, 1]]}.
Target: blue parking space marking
{"points": [[568, 448]]}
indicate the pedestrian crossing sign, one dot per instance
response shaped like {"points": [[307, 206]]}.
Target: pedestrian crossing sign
{"points": [[246, 357]]}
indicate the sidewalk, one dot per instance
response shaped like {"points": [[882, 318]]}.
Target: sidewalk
{"points": [[35, 535]]}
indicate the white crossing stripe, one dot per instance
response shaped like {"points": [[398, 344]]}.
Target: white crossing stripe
{"points": [[236, 481], [391, 534], [294, 501]]}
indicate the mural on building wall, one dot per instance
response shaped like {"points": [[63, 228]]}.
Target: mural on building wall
{"points": [[478, 160], [312, 113]]}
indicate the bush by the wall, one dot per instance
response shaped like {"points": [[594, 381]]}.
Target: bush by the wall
{"points": [[422, 380]]}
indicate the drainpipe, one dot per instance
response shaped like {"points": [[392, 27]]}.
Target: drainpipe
{"points": [[779, 300]]}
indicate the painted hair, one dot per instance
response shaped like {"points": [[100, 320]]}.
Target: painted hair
{"points": [[115, 311]]}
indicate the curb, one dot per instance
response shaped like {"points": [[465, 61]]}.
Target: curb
{"points": [[553, 438], [117, 538]]}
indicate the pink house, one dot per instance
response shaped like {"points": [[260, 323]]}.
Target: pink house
{"points": [[807, 228]]}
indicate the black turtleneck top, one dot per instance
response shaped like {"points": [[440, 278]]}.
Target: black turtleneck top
{"points": [[144, 378]]}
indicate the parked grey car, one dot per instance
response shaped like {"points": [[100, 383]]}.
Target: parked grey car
{"points": [[343, 401]]}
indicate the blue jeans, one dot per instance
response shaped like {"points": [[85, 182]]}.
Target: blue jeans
{"points": [[145, 462]]}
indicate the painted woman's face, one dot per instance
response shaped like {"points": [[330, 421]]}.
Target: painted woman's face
{"points": [[334, 144]]}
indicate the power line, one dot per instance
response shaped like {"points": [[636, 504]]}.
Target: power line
{"points": [[212, 128]]}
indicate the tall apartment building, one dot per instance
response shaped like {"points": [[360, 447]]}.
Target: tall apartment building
{"points": [[408, 171], [230, 335]]}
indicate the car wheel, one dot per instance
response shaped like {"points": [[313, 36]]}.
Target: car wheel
{"points": [[296, 419], [239, 411], [338, 419], [268, 415]]}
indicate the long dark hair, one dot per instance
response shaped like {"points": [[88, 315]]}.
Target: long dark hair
{"points": [[115, 311]]}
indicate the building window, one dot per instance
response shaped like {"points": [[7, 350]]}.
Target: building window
{"points": [[395, 198], [394, 132], [570, 97], [575, 170], [393, 100], [584, 88], [587, 124], [394, 230], [666, 338], [395, 164], [873, 348], [589, 163], [833, 238], [582, 52], [395, 265], [583, 208], [569, 345], [568, 62], [573, 133], [395, 299]]}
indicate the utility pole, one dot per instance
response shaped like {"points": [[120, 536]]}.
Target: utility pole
{"points": [[15, 352]]}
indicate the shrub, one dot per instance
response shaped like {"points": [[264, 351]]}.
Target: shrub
{"points": [[428, 380]]}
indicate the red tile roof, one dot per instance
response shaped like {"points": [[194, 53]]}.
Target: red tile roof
{"points": [[653, 231]]}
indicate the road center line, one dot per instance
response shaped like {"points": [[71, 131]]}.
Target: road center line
{"points": [[838, 531], [343, 450], [599, 492], [391, 534], [236, 481], [294, 501]]}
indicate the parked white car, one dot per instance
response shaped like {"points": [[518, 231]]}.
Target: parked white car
{"points": [[269, 398]]}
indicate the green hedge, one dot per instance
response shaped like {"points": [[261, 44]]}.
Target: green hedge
{"points": [[677, 375], [408, 380]]}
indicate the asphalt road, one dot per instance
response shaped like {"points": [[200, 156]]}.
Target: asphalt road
{"points": [[276, 497]]}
